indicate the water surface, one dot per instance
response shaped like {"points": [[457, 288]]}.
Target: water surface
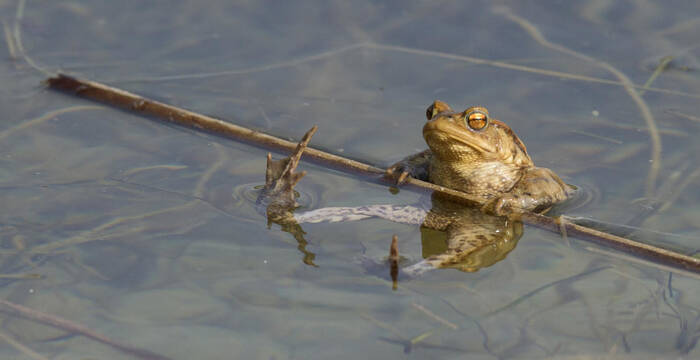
{"points": [[146, 232]]}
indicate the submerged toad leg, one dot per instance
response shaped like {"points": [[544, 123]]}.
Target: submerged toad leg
{"points": [[280, 200]]}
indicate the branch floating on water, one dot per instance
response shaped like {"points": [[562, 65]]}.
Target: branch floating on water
{"points": [[134, 103]]}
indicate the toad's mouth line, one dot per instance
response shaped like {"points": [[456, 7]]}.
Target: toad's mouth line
{"points": [[454, 135]]}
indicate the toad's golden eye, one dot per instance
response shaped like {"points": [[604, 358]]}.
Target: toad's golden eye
{"points": [[477, 120]]}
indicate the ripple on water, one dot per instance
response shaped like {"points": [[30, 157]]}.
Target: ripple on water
{"points": [[248, 193]]}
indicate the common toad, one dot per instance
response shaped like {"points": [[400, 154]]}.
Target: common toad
{"points": [[473, 153], [469, 152]]}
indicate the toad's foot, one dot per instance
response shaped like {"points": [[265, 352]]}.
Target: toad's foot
{"points": [[415, 166]]}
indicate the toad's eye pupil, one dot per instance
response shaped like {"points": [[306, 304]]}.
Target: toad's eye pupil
{"points": [[477, 121]]}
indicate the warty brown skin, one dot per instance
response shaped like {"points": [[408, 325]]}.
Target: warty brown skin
{"points": [[471, 152]]}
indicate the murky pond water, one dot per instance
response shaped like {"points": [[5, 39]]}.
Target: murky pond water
{"points": [[148, 233]]}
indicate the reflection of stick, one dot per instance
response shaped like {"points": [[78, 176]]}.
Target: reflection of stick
{"points": [[72, 327], [132, 102]]}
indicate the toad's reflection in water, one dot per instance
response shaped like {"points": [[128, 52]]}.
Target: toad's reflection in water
{"points": [[454, 236]]}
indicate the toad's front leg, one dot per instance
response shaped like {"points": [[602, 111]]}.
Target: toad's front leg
{"points": [[416, 166]]}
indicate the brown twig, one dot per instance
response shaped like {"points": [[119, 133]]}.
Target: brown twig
{"points": [[132, 102], [72, 327], [394, 261], [135, 103]]}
